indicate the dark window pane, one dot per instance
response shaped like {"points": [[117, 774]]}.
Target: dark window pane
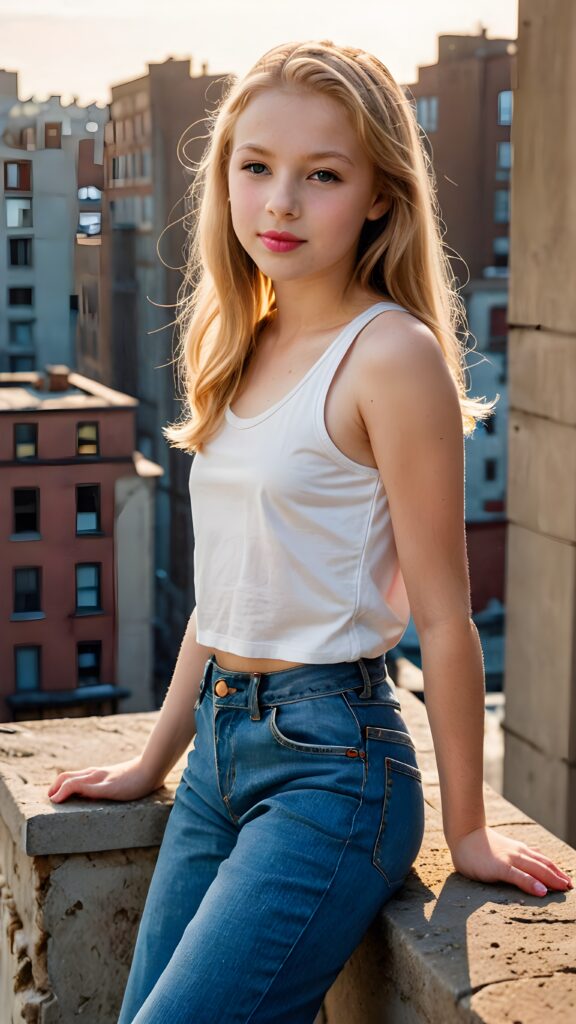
{"points": [[89, 660], [25, 440], [21, 364], [27, 661], [87, 508], [26, 501], [20, 252], [20, 296], [27, 590], [490, 466]]}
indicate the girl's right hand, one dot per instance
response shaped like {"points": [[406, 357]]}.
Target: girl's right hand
{"points": [[126, 780]]}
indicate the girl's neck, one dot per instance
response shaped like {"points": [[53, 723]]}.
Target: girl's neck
{"points": [[316, 312]]}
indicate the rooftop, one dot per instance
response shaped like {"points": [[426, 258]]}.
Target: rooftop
{"points": [[57, 388]]}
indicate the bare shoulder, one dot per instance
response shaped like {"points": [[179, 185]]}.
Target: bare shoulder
{"points": [[401, 356], [398, 338]]}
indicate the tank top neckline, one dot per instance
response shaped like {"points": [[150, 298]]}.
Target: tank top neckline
{"points": [[241, 422]]}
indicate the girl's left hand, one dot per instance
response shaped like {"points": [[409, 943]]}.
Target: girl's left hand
{"points": [[485, 855]]}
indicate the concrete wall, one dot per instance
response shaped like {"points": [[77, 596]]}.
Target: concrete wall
{"points": [[540, 723]]}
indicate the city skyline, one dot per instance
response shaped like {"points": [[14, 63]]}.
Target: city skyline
{"points": [[134, 33]]}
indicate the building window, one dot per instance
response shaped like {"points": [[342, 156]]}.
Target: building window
{"points": [[21, 333], [26, 509], [505, 105], [87, 439], [502, 206], [27, 668], [53, 135], [21, 364], [504, 156], [27, 590], [490, 424], [25, 440], [89, 223], [20, 296], [89, 193], [490, 468], [19, 252], [427, 112], [88, 587], [87, 508], [17, 175], [89, 659], [18, 213], [500, 249]]}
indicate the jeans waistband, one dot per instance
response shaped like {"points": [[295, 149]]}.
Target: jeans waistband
{"points": [[255, 690]]}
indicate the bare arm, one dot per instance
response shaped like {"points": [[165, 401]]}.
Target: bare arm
{"points": [[409, 405], [415, 428], [172, 734], [176, 724]]}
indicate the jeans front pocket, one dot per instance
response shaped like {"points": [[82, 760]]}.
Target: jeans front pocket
{"points": [[401, 828], [318, 725]]}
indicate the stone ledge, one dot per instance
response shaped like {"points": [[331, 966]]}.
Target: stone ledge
{"points": [[33, 755], [446, 949]]}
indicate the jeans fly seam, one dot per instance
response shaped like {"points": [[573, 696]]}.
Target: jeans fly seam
{"points": [[223, 797], [318, 905]]}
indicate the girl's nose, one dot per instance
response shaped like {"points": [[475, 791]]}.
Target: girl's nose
{"points": [[283, 202]]}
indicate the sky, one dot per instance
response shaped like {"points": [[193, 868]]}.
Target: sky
{"points": [[82, 47]]}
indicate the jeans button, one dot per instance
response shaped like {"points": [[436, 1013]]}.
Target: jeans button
{"points": [[221, 688]]}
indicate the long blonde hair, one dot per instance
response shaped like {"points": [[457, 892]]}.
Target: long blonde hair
{"points": [[225, 299]]}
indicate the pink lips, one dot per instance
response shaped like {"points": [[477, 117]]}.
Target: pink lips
{"points": [[281, 241]]}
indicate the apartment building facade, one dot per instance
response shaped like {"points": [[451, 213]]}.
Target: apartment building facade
{"points": [[152, 141], [464, 107], [76, 533], [43, 144]]}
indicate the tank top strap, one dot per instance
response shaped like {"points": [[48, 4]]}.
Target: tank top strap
{"points": [[338, 351]]}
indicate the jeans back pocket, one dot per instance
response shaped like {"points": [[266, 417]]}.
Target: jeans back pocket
{"points": [[401, 827]]}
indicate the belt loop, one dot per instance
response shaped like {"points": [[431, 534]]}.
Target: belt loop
{"points": [[367, 691], [253, 696], [202, 687]]}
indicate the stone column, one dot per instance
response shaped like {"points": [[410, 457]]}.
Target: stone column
{"points": [[540, 674]]}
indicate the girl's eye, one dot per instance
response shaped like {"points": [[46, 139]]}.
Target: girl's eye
{"points": [[248, 166], [334, 177]]}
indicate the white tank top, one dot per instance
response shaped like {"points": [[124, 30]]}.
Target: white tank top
{"points": [[294, 553]]}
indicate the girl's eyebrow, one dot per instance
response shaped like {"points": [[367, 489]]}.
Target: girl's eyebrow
{"points": [[311, 156]]}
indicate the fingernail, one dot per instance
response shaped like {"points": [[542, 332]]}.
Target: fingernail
{"points": [[540, 889]]}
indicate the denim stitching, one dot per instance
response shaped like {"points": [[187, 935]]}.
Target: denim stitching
{"points": [[315, 911], [307, 748], [391, 765]]}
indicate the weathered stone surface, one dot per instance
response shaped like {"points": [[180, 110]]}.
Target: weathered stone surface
{"points": [[443, 950], [446, 949], [549, 359], [32, 756], [540, 642], [542, 474]]}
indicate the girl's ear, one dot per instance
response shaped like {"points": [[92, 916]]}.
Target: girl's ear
{"points": [[380, 205]]}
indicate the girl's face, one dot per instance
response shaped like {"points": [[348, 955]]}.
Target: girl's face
{"points": [[297, 167]]}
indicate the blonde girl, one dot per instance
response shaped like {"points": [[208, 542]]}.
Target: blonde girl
{"points": [[323, 376]]}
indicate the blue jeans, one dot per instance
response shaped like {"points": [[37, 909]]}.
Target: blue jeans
{"points": [[298, 815]]}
